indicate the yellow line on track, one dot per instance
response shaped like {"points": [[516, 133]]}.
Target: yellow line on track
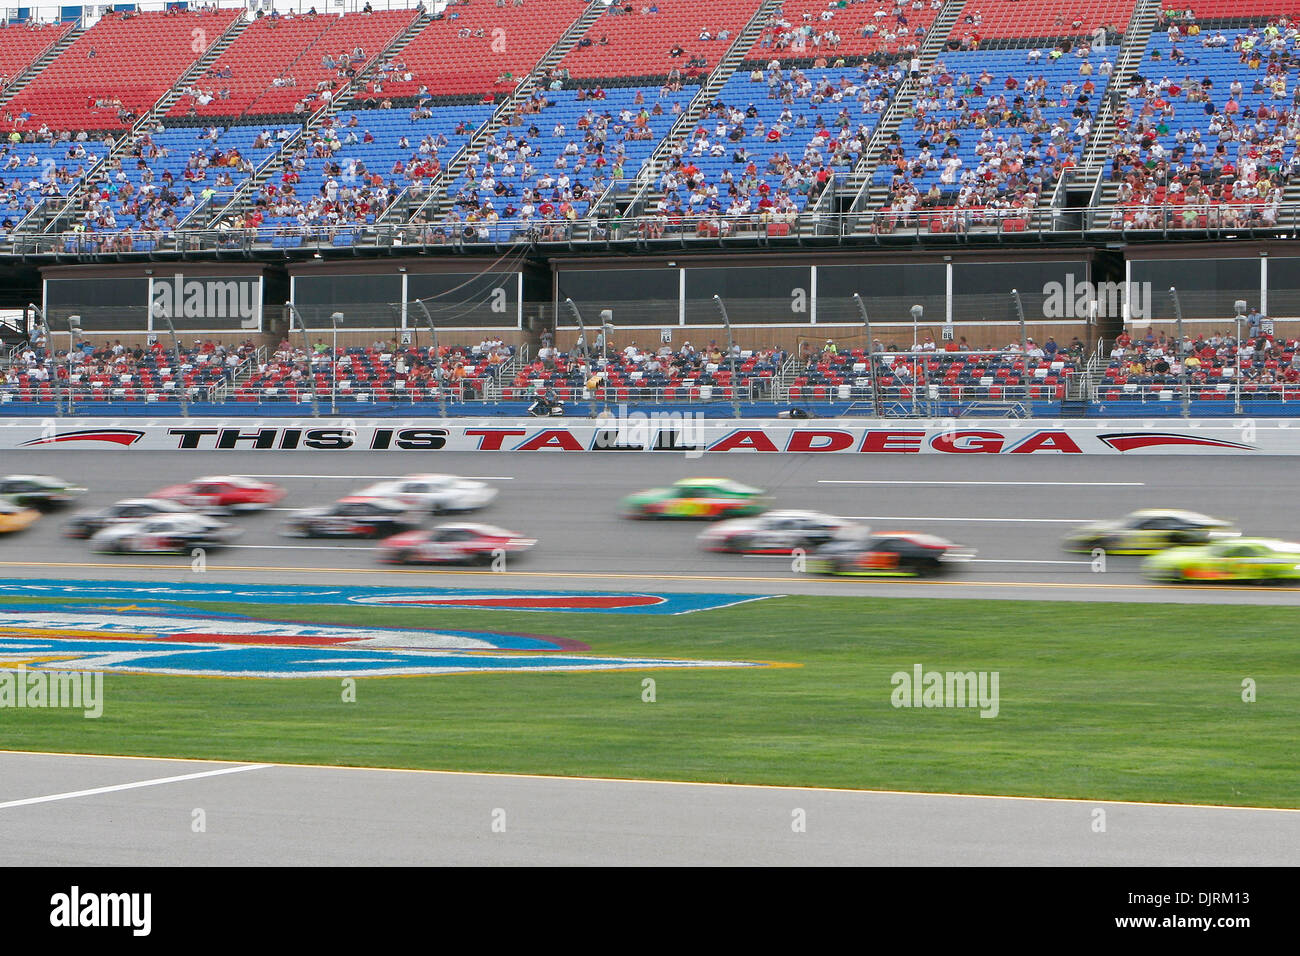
{"points": [[597, 575]]}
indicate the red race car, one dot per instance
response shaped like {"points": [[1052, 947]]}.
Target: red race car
{"points": [[453, 544], [223, 493]]}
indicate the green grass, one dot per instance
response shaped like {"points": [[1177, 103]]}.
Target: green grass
{"points": [[1098, 701]]}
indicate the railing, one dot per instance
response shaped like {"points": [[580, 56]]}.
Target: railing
{"points": [[1172, 393], [884, 225]]}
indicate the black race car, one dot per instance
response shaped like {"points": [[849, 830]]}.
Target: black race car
{"points": [[353, 518], [891, 554]]}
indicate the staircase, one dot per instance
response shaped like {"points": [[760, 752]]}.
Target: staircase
{"points": [[19, 82], [644, 185], [409, 204], [867, 197], [1089, 176]]}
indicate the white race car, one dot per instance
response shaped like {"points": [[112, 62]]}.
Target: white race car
{"points": [[435, 494], [165, 534]]}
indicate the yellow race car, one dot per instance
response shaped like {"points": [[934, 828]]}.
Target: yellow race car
{"points": [[15, 517]]}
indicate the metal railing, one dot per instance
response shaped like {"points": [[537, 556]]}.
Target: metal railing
{"points": [[1003, 225]]}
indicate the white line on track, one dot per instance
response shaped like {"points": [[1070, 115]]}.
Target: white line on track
{"points": [[303, 547], [158, 781], [1004, 520], [1057, 484], [1025, 561], [377, 477]]}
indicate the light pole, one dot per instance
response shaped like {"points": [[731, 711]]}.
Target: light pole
{"points": [[160, 313], [311, 375], [1020, 312], [731, 356], [74, 329], [335, 319], [871, 356], [1240, 308], [1182, 361], [917, 312], [50, 369], [582, 337], [437, 358]]}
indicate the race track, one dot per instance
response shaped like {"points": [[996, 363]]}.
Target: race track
{"points": [[58, 809], [1013, 511]]}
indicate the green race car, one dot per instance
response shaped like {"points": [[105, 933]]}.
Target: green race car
{"points": [[1149, 531], [705, 498], [1241, 559], [38, 491]]}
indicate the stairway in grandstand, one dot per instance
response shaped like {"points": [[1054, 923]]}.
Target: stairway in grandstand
{"points": [[856, 194], [642, 188], [1088, 183], [431, 202]]}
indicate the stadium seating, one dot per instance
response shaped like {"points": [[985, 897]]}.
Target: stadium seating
{"points": [[116, 70], [815, 28], [478, 46], [641, 44], [22, 44], [1043, 18], [531, 188], [266, 51]]}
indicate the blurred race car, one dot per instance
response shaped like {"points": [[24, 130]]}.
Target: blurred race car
{"points": [[164, 534], [1149, 531], [707, 498], [86, 523], [1238, 559], [38, 491], [15, 517], [776, 532], [223, 493], [453, 544], [353, 518], [436, 494], [888, 554]]}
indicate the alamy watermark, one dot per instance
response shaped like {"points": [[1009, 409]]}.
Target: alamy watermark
{"points": [[21, 689], [1096, 300], [958, 689], [653, 431]]}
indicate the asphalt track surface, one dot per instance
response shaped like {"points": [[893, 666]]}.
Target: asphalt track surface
{"points": [[1013, 511], [140, 811]]}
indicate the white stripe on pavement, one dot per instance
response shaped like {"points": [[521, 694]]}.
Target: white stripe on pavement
{"points": [[1004, 520], [1055, 484], [158, 781]]}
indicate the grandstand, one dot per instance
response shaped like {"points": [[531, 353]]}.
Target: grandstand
{"points": [[477, 156]]}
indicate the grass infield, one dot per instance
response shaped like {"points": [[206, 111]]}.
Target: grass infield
{"points": [[1097, 701]]}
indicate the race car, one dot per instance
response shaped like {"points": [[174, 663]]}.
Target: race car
{"points": [[86, 523], [353, 518], [1149, 531], [436, 494], [15, 517], [707, 498], [776, 532], [38, 491], [453, 544], [223, 493], [163, 534], [1236, 559], [895, 554]]}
